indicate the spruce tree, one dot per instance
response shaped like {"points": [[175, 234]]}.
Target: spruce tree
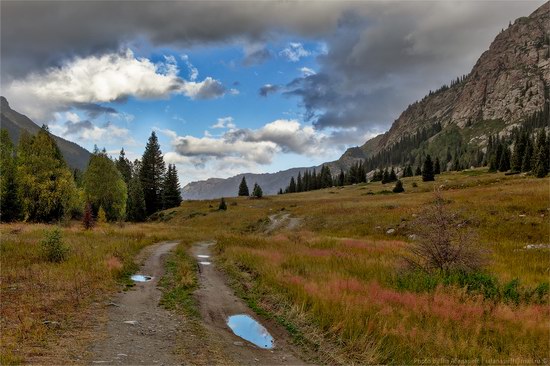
{"points": [[428, 170], [292, 186], [437, 166], [398, 187], [10, 209], [171, 190], [136, 199], [518, 153], [341, 178], [393, 176], [243, 188], [299, 183], [124, 166], [540, 163], [257, 191], [223, 205], [527, 156], [152, 174], [504, 163], [418, 171], [326, 177]]}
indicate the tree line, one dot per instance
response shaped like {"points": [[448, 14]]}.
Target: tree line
{"points": [[37, 185]]}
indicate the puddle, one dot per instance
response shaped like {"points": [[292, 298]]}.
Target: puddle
{"points": [[203, 256], [205, 263], [250, 330], [141, 278]]}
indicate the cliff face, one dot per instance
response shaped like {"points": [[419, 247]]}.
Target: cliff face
{"points": [[507, 83]]}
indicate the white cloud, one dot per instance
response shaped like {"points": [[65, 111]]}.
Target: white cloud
{"points": [[224, 122], [193, 72], [294, 52], [306, 71], [103, 79]]}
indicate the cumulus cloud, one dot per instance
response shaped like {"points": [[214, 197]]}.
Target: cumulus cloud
{"points": [[294, 52], [86, 82], [242, 146], [267, 89], [224, 122]]}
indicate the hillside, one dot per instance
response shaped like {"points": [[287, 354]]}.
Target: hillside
{"points": [[508, 83], [76, 156]]}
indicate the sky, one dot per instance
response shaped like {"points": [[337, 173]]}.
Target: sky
{"points": [[236, 86]]}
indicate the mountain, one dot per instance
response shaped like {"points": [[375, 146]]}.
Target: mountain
{"points": [[76, 157], [508, 84]]}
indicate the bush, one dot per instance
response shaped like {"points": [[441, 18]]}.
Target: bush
{"points": [[398, 187], [511, 292], [53, 247], [223, 205]]}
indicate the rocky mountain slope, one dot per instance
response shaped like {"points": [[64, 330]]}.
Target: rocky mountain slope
{"points": [[76, 156], [509, 82]]}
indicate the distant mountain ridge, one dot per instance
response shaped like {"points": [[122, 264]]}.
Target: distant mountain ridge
{"points": [[509, 82], [76, 156]]}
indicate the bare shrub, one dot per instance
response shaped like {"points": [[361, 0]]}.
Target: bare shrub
{"points": [[444, 241]]}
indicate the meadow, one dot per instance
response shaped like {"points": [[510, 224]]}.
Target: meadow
{"points": [[337, 281]]}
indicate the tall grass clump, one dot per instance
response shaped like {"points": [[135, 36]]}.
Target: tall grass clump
{"points": [[53, 247]]}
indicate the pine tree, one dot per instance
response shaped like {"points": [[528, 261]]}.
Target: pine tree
{"points": [[393, 176], [243, 188], [418, 171], [223, 205], [398, 187], [124, 166], [517, 154], [10, 208], [104, 186], [527, 156], [152, 174], [136, 199], [299, 183], [540, 163], [341, 178], [257, 191], [325, 177], [46, 187], [437, 166], [171, 191], [292, 186], [280, 191], [504, 164], [428, 170]]}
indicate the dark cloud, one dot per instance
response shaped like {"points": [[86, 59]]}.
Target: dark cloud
{"points": [[94, 110], [74, 128], [267, 89]]}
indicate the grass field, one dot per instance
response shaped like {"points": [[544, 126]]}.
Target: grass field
{"points": [[337, 282]]}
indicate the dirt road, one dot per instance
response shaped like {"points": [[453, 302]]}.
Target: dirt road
{"points": [[139, 331], [217, 302]]}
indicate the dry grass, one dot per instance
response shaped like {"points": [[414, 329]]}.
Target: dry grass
{"points": [[330, 282]]}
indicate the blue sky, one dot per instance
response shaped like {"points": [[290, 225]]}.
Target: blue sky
{"points": [[236, 86]]}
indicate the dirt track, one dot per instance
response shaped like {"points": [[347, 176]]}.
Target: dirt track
{"points": [[151, 340], [140, 332], [217, 301]]}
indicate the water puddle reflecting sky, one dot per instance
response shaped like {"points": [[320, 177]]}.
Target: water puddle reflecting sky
{"points": [[249, 329], [141, 278]]}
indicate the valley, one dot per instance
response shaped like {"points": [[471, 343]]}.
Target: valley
{"points": [[333, 285]]}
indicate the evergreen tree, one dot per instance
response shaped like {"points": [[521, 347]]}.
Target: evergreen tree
{"points": [[104, 186], [437, 166], [527, 156], [418, 171], [385, 176], [280, 191], [398, 187], [243, 188], [325, 177], [136, 199], [518, 153], [10, 209], [540, 163], [299, 183], [257, 191], [393, 176], [171, 190], [428, 170], [341, 178], [124, 166], [151, 174], [223, 205], [46, 187], [292, 186], [504, 163]]}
